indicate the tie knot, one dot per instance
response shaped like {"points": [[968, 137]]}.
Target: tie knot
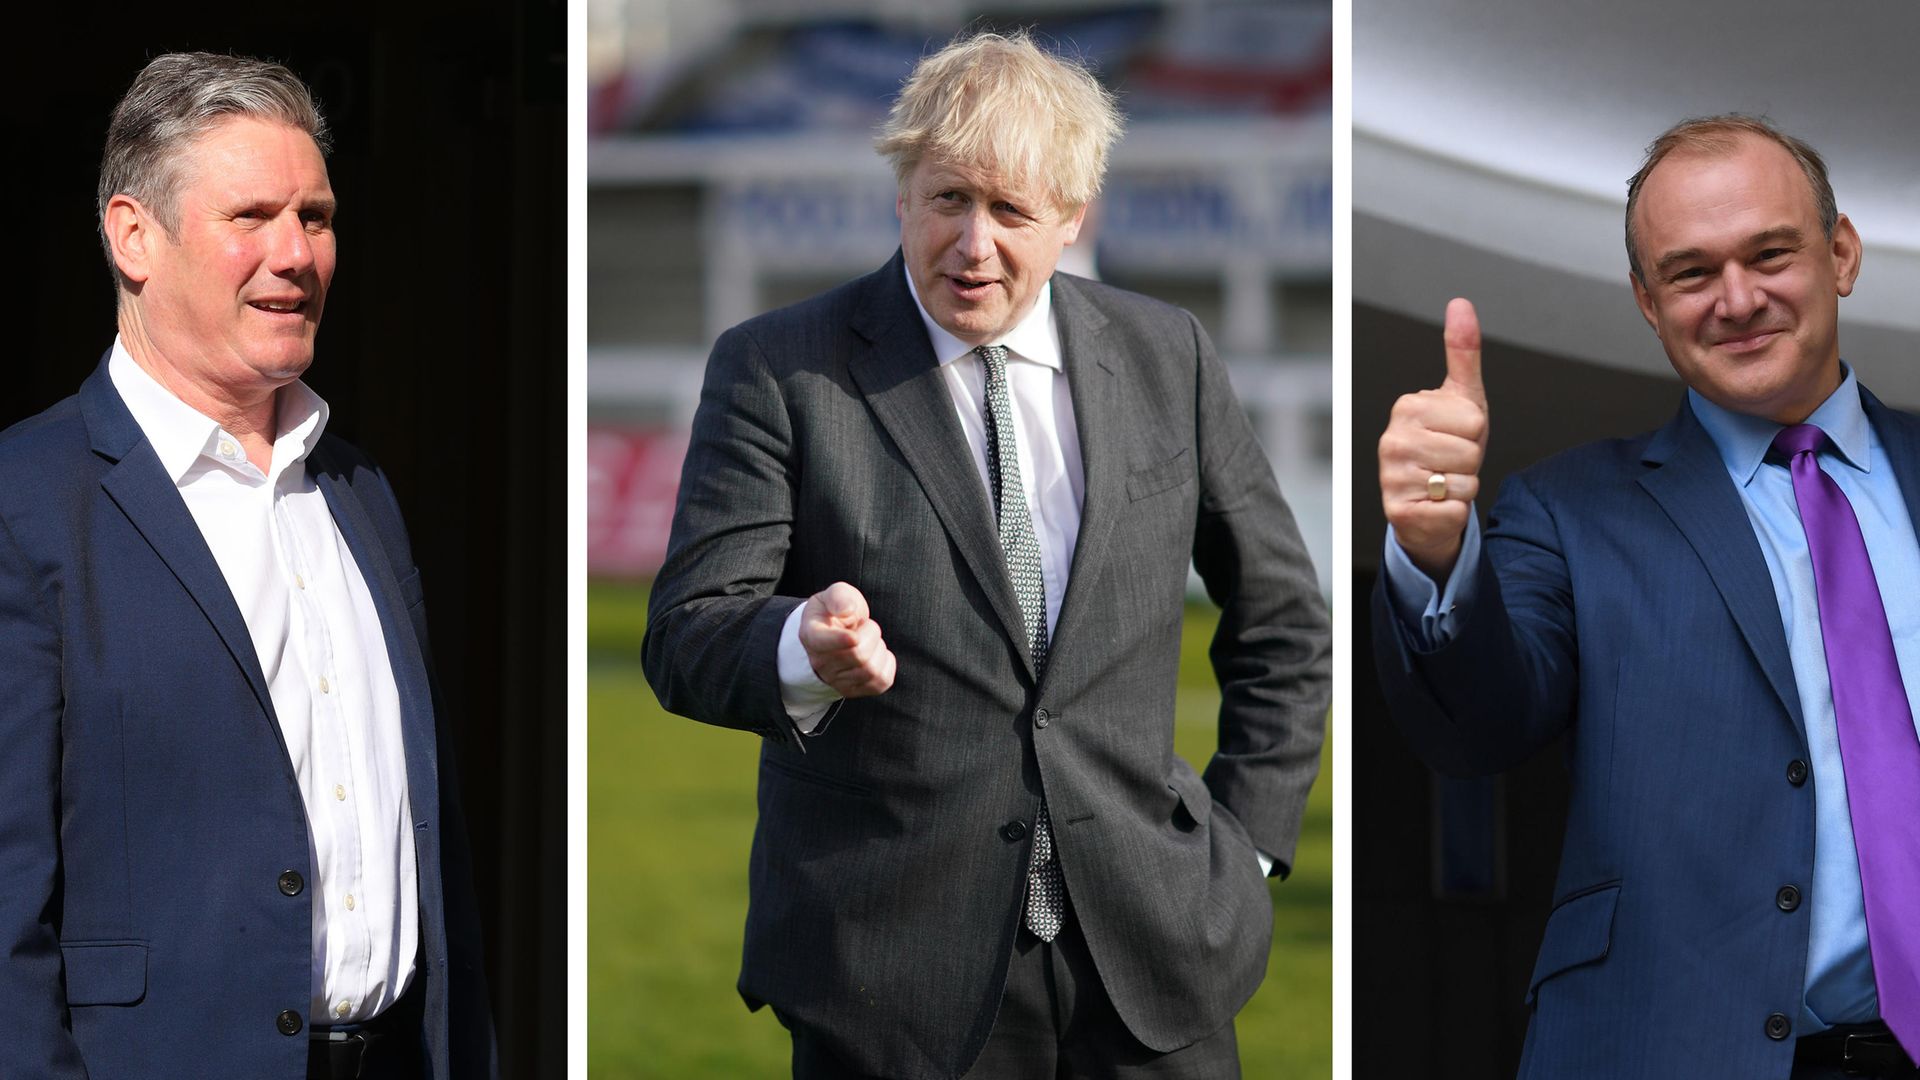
{"points": [[1799, 439], [994, 355]]}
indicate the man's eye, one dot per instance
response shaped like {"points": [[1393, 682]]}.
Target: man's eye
{"points": [[1772, 253]]}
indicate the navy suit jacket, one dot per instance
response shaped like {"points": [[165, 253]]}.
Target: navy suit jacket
{"points": [[1622, 595], [151, 806]]}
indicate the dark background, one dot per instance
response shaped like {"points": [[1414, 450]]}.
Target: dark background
{"points": [[442, 354], [1453, 879]]}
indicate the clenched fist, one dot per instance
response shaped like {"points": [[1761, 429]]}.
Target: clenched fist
{"points": [[844, 644], [1437, 433]]}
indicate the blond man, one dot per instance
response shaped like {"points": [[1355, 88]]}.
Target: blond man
{"points": [[932, 544]]}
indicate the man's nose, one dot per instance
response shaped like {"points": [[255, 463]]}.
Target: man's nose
{"points": [[291, 246], [1741, 295], [975, 242]]}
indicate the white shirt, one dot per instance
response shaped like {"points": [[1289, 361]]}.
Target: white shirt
{"points": [[1051, 473], [324, 657]]}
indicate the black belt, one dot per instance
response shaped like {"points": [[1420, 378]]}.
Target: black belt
{"points": [[1859, 1049], [387, 1046]]}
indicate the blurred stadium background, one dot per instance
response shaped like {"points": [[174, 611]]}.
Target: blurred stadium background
{"points": [[730, 171]]}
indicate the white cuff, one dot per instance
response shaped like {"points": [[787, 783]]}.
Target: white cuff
{"points": [[801, 691]]}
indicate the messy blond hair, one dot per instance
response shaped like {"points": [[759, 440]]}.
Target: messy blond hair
{"points": [[1001, 104]]}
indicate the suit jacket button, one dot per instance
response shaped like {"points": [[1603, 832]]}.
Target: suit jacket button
{"points": [[1778, 1027], [1015, 830], [1041, 718], [291, 882], [288, 1022], [1788, 898], [1796, 772]]}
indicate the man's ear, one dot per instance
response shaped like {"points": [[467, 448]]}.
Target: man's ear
{"points": [[132, 234], [1071, 227], [1645, 299], [1846, 255]]}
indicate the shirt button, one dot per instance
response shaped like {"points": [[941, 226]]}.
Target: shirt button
{"points": [[340, 792], [299, 582], [342, 1009], [349, 901], [324, 688], [226, 448]]}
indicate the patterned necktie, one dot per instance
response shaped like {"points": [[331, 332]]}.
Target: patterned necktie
{"points": [[1878, 748], [1046, 890]]}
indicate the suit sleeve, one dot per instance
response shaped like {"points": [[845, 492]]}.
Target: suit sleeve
{"points": [[714, 619], [1270, 652], [1502, 686], [37, 1041]]}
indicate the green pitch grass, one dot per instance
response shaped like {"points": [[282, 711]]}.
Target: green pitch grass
{"points": [[670, 814]]}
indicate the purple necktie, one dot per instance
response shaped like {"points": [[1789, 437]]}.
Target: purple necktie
{"points": [[1878, 749]]}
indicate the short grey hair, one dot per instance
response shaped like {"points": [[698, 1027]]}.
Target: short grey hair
{"points": [[174, 101]]}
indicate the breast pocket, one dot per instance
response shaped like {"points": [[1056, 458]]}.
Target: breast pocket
{"points": [[1154, 479]]}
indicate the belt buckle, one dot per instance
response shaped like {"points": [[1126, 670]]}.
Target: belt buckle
{"points": [[1860, 1052]]}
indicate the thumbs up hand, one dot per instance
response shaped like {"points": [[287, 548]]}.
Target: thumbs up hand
{"points": [[1431, 452]]}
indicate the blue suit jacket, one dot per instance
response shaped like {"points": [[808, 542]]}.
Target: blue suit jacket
{"points": [[1622, 594], [150, 805]]}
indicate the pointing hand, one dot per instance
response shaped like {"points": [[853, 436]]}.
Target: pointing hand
{"points": [[844, 644]]}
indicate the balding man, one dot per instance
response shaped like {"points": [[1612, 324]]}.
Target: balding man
{"points": [[1722, 612]]}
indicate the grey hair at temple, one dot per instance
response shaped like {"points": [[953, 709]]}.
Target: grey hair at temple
{"points": [[176, 99]]}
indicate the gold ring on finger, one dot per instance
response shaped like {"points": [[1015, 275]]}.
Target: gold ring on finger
{"points": [[1437, 487]]}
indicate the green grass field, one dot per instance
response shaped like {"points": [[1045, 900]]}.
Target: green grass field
{"points": [[671, 812]]}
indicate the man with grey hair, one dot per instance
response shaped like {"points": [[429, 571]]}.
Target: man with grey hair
{"points": [[977, 852], [1722, 614], [232, 848]]}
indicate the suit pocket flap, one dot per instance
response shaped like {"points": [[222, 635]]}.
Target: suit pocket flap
{"points": [[1155, 479], [1580, 931], [105, 974]]}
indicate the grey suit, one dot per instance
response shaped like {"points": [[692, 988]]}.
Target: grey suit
{"points": [[889, 864]]}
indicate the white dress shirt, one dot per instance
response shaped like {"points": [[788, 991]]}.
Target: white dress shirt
{"points": [[324, 656]]}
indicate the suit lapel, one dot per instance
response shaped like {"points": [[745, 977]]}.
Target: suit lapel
{"points": [[138, 484], [1902, 442], [1093, 378], [1690, 483], [404, 655], [903, 386]]}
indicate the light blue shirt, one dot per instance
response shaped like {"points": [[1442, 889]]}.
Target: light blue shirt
{"points": [[1839, 978]]}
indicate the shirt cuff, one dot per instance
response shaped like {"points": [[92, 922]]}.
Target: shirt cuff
{"points": [[1426, 610], [801, 691]]}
